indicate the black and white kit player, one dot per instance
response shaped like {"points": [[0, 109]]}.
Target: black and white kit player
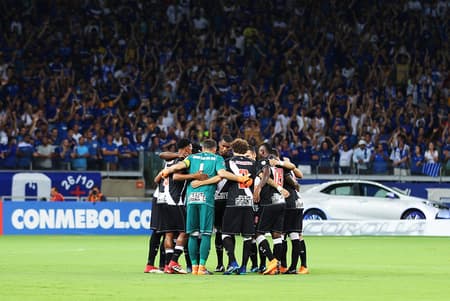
{"points": [[293, 221], [239, 215], [172, 219], [293, 218]]}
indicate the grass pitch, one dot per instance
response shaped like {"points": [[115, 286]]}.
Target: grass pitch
{"points": [[111, 268]]}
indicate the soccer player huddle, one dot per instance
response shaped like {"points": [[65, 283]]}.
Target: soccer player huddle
{"points": [[229, 189]]}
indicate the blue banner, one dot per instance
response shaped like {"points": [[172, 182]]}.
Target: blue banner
{"points": [[103, 218], [37, 185]]}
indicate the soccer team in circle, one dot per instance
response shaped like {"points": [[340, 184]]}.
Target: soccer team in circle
{"points": [[239, 193]]}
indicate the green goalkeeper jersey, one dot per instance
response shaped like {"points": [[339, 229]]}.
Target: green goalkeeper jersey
{"points": [[209, 164]]}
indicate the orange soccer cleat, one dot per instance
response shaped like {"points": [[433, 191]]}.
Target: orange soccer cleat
{"points": [[303, 270]]}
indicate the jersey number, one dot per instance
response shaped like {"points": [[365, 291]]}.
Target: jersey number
{"points": [[278, 176], [242, 172]]}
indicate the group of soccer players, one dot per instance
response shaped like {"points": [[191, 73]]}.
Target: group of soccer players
{"points": [[238, 195]]}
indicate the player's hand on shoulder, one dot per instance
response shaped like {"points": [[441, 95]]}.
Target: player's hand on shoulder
{"points": [[273, 162]]}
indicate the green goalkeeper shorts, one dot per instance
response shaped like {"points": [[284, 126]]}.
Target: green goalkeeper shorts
{"points": [[199, 218]]}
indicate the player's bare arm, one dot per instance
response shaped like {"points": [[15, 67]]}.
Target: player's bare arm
{"points": [[264, 176], [286, 164], [169, 156], [232, 177], [291, 182], [193, 176], [158, 177], [280, 189], [174, 168], [212, 180], [298, 173]]}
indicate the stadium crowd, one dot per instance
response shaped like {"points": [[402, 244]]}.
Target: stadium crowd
{"points": [[339, 87]]}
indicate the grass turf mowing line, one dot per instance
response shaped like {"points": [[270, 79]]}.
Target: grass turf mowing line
{"points": [[111, 268]]}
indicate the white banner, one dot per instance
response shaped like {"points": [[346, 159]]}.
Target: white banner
{"points": [[378, 227]]}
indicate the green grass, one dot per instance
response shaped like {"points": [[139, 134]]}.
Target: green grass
{"points": [[111, 268]]}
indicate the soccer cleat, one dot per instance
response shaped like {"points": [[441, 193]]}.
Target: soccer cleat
{"points": [[176, 268], [157, 271], [261, 269], [274, 272], [168, 270], [283, 270], [203, 271], [242, 271], [272, 267], [232, 268], [303, 270], [152, 269], [291, 272], [254, 270], [149, 268], [195, 270], [219, 269]]}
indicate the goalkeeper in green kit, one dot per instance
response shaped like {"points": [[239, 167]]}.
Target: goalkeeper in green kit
{"points": [[200, 200]]}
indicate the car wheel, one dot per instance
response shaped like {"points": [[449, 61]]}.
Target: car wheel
{"points": [[314, 214], [413, 214]]}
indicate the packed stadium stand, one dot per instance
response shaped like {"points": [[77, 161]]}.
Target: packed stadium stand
{"points": [[355, 87]]}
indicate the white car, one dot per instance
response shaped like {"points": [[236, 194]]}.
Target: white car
{"points": [[362, 200]]}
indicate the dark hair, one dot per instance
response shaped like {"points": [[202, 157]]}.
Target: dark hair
{"points": [[182, 143], [274, 152], [227, 138], [266, 146], [196, 148]]}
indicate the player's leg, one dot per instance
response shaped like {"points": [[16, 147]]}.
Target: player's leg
{"points": [[179, 247], [246, 253], [290, 226], [254, 255], [295, 252], [178, 223], [277, 230], [275, 226], [193, 229], [206, 229], [162, 254], [262, 257], [303, 265], [228, 244], [230, 226], [264, 226], [154, 240], [219, 209], [247, 228], [168, 247], [283, 255], [153, 247]]}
